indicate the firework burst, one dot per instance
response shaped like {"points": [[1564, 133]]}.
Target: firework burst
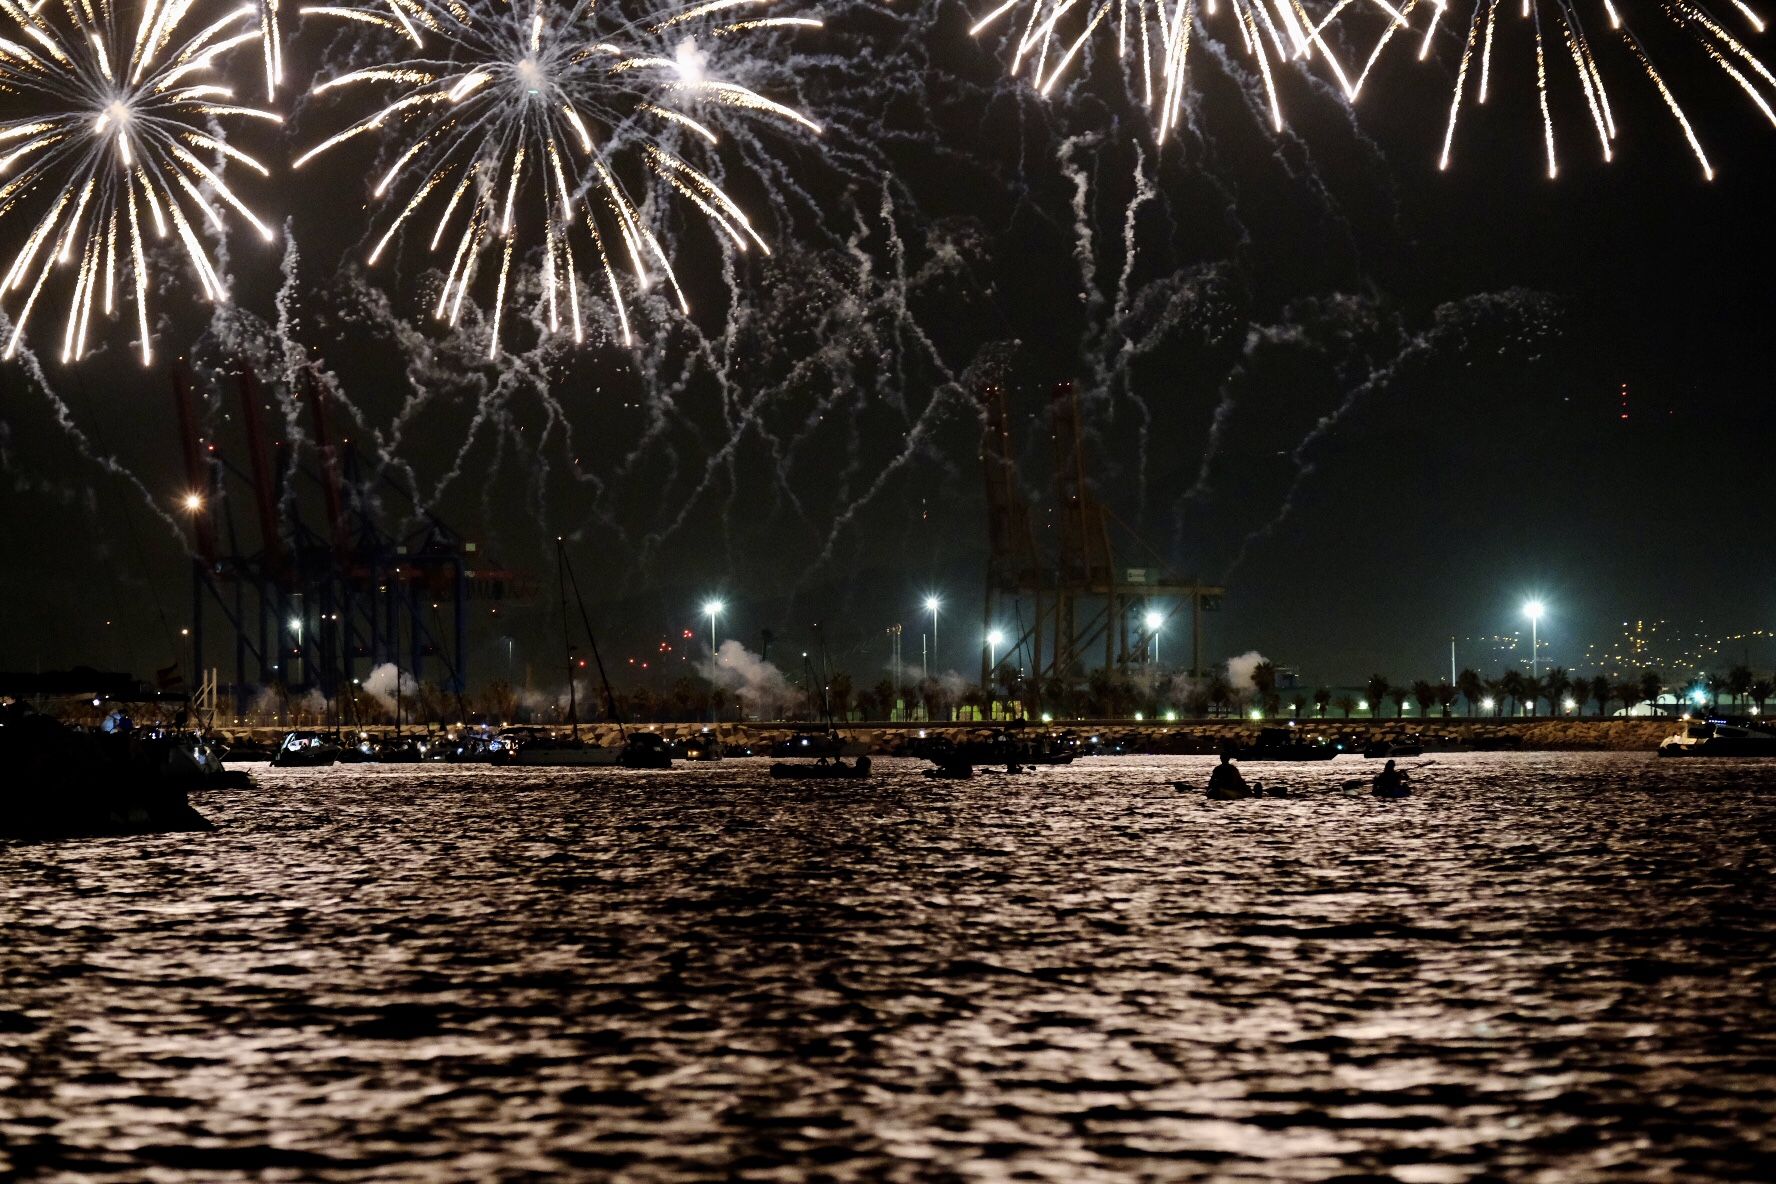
{"points": [[1153, 39], [513, 120], [109, 121], [1557, 32]]}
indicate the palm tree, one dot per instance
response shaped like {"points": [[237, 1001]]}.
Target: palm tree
{"points": [[886, 697], [1761, 690], [1468, 682], [1555, 683], [1321, 698], [1495, 690], [1378, 690], [1580, 694], [1446, 696], [1600, 691], [1650, 686], [1630, 694], [1264, 681], [1426, 694], [1716, 683], [1532, 693], [1739, 683], [1512, 685], [1347, 705], [839, 694], [1299, 702], [1399, 695]]}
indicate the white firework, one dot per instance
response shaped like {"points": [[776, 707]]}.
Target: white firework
{"points": [[513, 122], [1153, 40], [115, 124]]}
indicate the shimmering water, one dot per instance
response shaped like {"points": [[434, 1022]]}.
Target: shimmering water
{"points": [[1543, 967]]}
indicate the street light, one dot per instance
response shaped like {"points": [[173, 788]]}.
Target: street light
{"points": [[193, 502], [1533, 610], [712, 609], [932, 604], [995, 639], [1154, 620]]}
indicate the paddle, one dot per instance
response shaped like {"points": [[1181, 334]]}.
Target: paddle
{"points": [[1360, 782]]}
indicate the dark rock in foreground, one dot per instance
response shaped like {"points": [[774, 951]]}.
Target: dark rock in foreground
{"points": [[63, 782]]}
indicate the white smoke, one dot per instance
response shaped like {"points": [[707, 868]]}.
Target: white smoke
{"points": [[384, 682], [1239, 670], [762, 688]]}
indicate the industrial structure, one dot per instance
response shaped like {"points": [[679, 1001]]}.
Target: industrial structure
{"points": [[306, 607], [1079, 593]]}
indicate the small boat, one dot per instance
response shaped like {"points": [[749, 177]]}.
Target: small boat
{"points": [[403, 750], [821, 771], [1234, 794], [704, 746], [1402, 790], [305, 750], [1412, 745], [645, 750], [1287, 744], [540, 748], [1720, 737]]}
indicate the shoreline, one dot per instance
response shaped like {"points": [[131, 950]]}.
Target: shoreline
{"points": [[1543, 734]]}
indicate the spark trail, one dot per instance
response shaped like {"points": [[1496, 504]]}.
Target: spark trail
{"points": [[116, 135], [1554, 35], [1154, 39], [540, 123]]}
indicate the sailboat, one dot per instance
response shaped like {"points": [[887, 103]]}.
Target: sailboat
{"points": [[539, 747], [830, 744]]}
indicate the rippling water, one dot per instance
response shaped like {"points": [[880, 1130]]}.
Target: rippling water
{"points": [[1542, 967]]}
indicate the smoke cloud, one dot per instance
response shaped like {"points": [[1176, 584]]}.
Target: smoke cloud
{"points": [[762, 688], [1239, 670], [385, 682]]}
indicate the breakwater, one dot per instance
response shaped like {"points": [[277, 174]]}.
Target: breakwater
{"points": [[1552, 734]]}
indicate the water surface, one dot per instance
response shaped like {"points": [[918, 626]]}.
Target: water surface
{"points": [[1545, 966]]}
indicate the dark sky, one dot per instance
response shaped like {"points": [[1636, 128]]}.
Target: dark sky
{"points": [[1485, 319]]}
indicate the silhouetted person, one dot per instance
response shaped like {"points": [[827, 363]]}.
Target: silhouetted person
{"points": [[1390, 782], [1226, 778]]}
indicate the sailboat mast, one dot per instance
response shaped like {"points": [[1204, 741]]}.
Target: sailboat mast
{"points": [[573, 706], [610, 698]]}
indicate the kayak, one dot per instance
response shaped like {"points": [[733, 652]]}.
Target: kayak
{"points": [[1255, 790]]}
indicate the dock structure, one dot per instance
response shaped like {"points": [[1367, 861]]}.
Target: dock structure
{"points": [[1079, 597], [306, 607]]}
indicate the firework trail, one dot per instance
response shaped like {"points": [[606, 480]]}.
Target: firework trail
{"points": [[1554, 31], [543, 120], [1154, 38], [1457, 328], [109, 122]]}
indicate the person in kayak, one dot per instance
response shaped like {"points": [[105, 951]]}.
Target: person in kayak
{"points": [[1390, 782], [1227, 779]]}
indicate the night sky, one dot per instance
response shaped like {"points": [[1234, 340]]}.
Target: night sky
{"points": [[1477, 327]]}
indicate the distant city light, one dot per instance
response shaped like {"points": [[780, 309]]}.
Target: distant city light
{"points": [[1139, 717], [1047, 718], [1569, 704], [192, 502], [1362, 705], [1171, 717], [1486, 704], [1256, 714]]}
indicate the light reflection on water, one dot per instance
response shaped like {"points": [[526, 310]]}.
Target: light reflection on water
{"points": [[1544, 966]]}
